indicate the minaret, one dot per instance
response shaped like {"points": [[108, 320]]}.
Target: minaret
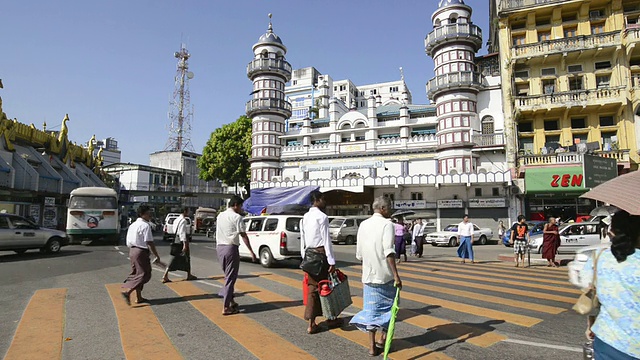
{"points": [[268, 109], [453, 44]]}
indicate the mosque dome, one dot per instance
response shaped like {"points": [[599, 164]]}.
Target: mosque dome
{"points": [[446, 3]]}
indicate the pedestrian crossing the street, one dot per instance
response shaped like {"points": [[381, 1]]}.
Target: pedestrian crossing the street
{"points": [[446, 309]]}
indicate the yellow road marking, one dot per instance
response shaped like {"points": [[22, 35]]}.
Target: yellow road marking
{"points": [[501, 281], [507, 268], [541, 269], [473, 335], [142, 335], [405, 349], [469, 270], [482, 297], [253, 336], [41, 328], [521, 320]]}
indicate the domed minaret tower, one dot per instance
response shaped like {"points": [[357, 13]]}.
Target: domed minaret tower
{"points": [[268, 109], [453, 44]]}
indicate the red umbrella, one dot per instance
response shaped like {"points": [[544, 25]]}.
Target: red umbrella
{"points": [[620, 192]]}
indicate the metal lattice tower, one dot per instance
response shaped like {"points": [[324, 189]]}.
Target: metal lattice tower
{"points": [[180, 109]]}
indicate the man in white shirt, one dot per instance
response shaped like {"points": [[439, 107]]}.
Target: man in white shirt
{"points": [[418, 238], [183, 237], [229, 230], [314, 237], [375, 247], [465, 235], [139, 241]]}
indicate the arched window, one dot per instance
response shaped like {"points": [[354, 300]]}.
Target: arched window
{"points": [[360, 125], [346, 126], [487, 125], [453, 19], [437, 23]]}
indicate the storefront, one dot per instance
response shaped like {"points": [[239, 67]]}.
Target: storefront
{"points": [[555, 191]]}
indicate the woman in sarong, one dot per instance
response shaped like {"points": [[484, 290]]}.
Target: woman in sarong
{"points": [[550, 242]]}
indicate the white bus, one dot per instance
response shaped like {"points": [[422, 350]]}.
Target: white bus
{"points": [[93, 215]]}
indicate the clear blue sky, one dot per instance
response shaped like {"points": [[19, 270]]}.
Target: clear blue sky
{"points": [[110, 64]]}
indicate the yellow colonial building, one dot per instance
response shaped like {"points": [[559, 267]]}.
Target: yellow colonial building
{"points": [[570, 77]]}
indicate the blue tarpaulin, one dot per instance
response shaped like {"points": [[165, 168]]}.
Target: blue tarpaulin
{"points": [[279, 200]]}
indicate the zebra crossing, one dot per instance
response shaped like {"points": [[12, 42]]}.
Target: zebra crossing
{"points": [[446, 306]]}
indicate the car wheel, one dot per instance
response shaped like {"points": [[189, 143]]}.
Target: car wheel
{"points": [[20, 251], [349, 240], [53, 245], [266, 257], [453, 241], [483, 240], [434, 244]]}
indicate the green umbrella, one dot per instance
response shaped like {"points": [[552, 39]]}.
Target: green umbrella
{"points": [[392, 324]]}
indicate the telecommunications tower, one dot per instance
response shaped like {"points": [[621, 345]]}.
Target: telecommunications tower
{"points": [[180, 109]]}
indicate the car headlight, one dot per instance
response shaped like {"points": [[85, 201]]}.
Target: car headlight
{"points": [[582, 258]]}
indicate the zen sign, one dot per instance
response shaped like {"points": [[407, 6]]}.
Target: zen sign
{"points": [[554, 180]]}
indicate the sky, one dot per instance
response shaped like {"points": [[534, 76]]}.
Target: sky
{"points": [[110, 64]]}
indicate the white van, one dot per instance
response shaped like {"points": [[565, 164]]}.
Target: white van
{"points": [[273, 238], [93, 215]]}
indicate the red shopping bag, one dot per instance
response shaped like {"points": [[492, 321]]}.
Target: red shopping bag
{"points": [[305, 289]]}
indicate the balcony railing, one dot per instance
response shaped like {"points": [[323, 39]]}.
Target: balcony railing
{"points": [[453, 31], [455, 79], [280, 66], [569, 98], [507, 5], [488, 140], [632, 33], [575, 43], [622, 156], [268, 105]]}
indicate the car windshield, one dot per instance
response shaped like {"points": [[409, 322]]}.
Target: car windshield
{"points": [[451, 228], [336, 223], [92, 202]]}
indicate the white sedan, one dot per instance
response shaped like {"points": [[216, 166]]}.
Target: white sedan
{"points": [[449, 236]]}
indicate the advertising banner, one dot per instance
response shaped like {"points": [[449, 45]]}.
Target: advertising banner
{"points": [[450, 204], [564, 179]]}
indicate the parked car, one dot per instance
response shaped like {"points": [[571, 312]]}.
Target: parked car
{"points": [[573, 237], [273, 238], [19, 234], [449, 236], [535, 228], [168, 230], [345, 229], [577, 277]]}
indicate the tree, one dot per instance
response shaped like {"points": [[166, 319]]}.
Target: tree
{"points": [[226, 155]]}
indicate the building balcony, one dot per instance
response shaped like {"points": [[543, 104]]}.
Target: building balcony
{"points": [[511, 5], [488, 140], [261, 66], [632, 33], [393, 181], [457, 32], [564, 158], [568, 99], [268, 105], [454, 81], [564, 45]]}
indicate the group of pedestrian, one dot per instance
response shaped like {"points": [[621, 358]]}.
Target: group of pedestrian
{"points": [[230, 228], [377, 243]]}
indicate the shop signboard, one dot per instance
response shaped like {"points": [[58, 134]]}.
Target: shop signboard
{"points": [[450, 204], [409, 204], [488, 203], [598, 169], [49, 201], [343, 166], [566, 179]]}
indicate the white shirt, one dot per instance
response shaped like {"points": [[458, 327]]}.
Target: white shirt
{"points": [[418, 230], [314, 233], [183, 227], [228, 228], [465, 229], [139, 234], [376, 237]]}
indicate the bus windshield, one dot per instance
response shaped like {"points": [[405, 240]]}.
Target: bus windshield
{"points": [[92, 202]]}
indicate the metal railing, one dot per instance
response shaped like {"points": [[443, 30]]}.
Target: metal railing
{"points": [[269, 65], [268, 105], [485, 140], [460, 78], [575, 43], [456, 31], [569, 157], [569, 98]]}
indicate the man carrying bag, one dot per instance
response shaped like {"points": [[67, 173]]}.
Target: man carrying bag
{"points": [[181, 260]]}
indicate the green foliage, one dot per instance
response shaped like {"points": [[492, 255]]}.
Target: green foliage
{"points": [[226, 154]]}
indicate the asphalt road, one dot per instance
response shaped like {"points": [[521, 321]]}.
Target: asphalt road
{"points": [[65, 305]]}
